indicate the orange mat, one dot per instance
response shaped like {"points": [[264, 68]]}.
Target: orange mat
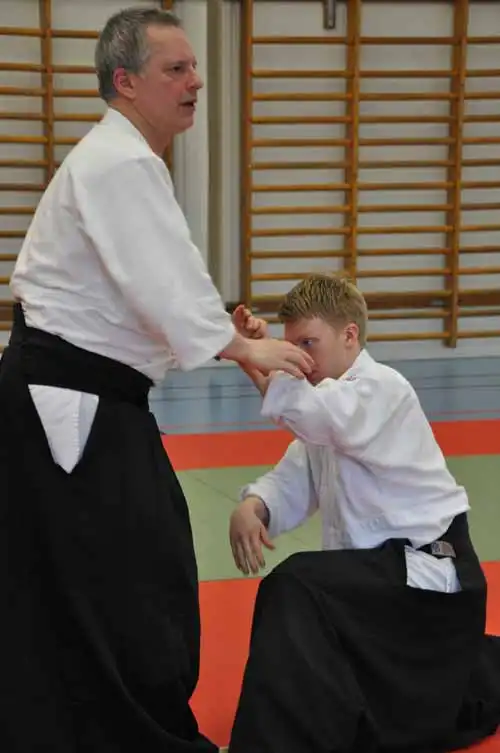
{"points": [[225, 450], [226, 608]]}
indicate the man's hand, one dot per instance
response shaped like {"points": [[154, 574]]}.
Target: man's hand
{"points": [[247, 533], [247, 324], [268, 355]]}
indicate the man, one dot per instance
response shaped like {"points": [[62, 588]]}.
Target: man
{"points": [[98, 580], [376, 643]]}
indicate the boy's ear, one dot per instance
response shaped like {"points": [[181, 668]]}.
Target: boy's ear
{"points": [[351, 333]]}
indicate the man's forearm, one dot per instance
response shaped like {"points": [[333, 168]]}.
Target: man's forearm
{"points": [[237, 350]]}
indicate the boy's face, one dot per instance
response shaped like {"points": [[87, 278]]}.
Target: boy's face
{"points": [[333, 348]]}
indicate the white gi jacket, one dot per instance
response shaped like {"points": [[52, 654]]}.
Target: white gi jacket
{"points": [[108, 265], [366, 458]]}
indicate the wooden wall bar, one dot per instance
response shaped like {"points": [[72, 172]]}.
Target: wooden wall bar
{"points": [[350, 243], [287, 225]]}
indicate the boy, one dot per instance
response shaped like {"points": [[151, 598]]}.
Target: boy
{"points": [[377, 642]]}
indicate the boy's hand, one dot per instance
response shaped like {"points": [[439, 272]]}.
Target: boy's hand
{"points": [[249, 325], [247, 533]]}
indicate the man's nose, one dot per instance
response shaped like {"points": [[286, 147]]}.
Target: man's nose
{"points": [[198, 82]]}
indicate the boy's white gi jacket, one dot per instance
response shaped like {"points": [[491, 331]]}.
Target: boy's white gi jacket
{"points": [[365, 457]]}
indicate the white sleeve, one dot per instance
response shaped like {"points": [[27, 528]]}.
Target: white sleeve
{"points": [[345, 413], [144, 244], [287, 490]]}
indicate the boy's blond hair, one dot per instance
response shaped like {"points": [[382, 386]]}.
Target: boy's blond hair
{"points": [[330, 297]]}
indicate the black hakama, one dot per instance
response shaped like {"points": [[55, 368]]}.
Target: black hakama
{"points": [[100, 630], [346, 658]]}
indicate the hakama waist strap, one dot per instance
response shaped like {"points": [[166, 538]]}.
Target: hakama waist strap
{"points": [[47, 359]]}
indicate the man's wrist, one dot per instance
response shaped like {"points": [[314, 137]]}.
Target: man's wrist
{"points": [[238, 350]]}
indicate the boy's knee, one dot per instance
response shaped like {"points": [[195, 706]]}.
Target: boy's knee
{"points": [[286, 583]]}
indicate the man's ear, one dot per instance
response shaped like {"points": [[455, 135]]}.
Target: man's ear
{"points": [[124, 83]]}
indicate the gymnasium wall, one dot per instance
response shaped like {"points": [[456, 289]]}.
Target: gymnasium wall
{"points": [[399, 143]]}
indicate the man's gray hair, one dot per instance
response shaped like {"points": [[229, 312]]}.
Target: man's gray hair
{"points": [[123, 43]]}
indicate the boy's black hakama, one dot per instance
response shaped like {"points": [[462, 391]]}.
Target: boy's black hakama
{"points": [[346, 658]]}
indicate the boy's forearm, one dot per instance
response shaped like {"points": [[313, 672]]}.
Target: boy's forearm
{"points": [[260, 381]]}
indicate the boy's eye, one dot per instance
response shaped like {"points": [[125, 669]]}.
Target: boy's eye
{"points": [[307, 343]]}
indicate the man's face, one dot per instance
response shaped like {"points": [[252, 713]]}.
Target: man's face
{"points": [[333, 349], [166, 89]]}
